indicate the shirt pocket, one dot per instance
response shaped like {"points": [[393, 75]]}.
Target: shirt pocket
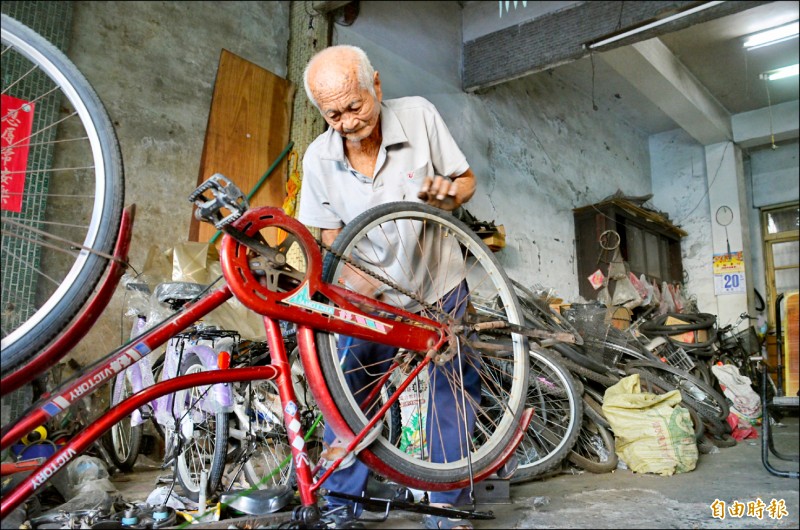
{"points": [[412, 181]]}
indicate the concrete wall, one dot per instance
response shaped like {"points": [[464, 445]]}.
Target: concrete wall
{"points": [[680, 186], [153, 64], [535, 144], [678, 169]]}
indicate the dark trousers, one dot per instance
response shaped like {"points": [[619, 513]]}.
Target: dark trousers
{"points": [[444, 422]]}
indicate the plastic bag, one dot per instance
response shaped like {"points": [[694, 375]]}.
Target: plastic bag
{"points": [[652, 434], [87, 475], [739, 390]]}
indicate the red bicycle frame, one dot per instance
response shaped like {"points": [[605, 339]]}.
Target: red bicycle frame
{"points": [[391, 326]]}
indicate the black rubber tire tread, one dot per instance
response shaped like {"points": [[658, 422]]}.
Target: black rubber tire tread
{"points": [[395, 421], [716, 427], [605, 380], [696, 322], [220, 449], [135, 434], [704, 447], [593, 465], [595, 409], [700, 406], [576, 355], [562, 442], [41, 334], [722, 441], [417, 469]]}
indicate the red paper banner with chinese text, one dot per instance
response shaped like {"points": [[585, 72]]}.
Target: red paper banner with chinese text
{"points": [[16, 130]]}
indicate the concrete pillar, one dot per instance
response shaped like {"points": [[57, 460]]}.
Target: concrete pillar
{"points": [[310, 33], [726, 187]]}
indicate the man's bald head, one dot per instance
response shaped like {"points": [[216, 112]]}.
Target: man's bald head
{"points": [[338, 66]]}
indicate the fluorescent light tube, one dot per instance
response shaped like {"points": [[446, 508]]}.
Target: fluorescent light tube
{"points": [[781, 73], [655, 24], [773, 36]]}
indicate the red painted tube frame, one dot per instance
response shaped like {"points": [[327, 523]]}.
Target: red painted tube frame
{"points": [[84, 322], [92, 432], [108, 367]]}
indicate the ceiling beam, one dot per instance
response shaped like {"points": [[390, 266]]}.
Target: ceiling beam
{"points": [[564, 35], [655, 71], [765, 126]]}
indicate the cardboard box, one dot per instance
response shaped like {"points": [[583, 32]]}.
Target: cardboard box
{"points": [[497, 240], [621, 319], [689, 337]]}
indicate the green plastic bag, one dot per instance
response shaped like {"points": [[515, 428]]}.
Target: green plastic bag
{"points": [[652, 434]]}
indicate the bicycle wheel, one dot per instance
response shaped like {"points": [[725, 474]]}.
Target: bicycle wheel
{"points": [[203, 435], [501, 373], [269, 462], [595, 450], [556, 423], [63, 201], [124, 439]]}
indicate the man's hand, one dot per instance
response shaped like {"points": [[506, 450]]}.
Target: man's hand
{"points": [[351, 278], [357, 281], [448, 194]]}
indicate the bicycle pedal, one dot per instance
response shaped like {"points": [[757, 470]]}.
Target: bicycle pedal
{"points": [[223, 194]]}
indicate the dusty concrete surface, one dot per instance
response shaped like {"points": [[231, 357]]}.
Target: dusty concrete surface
{"points": [[623, 499]]}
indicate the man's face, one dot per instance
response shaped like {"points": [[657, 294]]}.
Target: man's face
{"points": [[349, 109]]}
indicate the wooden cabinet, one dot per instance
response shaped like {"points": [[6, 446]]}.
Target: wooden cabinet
{"points": [[649, 243]]}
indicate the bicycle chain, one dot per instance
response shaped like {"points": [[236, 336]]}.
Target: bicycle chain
{"points": [[382, 279], [508, 329]]}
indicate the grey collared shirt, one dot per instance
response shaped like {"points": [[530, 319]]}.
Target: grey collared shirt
{"points": [[416, 143]]}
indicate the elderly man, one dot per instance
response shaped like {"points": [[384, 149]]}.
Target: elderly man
{"points": [[377, 152]]}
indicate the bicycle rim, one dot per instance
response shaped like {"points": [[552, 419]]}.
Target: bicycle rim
{"points": [[69, 207], [204, 436], [595, 450], [124, 439], [503, 375], [556, 423], [270, 463]]}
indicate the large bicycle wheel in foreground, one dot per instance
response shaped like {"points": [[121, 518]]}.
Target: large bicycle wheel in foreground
{"points": [[408, 234], [62, 192]]}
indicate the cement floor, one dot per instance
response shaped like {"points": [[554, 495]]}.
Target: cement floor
{"points": [[621, 499]]}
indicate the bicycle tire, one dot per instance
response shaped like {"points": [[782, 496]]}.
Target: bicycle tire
{"points": [[576, 355], [123, 441], [206, 430], [595, 403], [554, 429], [591, 375], [503, 380], [626, 345], [267, 465], [28, 325], [722, 441], [595, 450], [702, 397]]}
